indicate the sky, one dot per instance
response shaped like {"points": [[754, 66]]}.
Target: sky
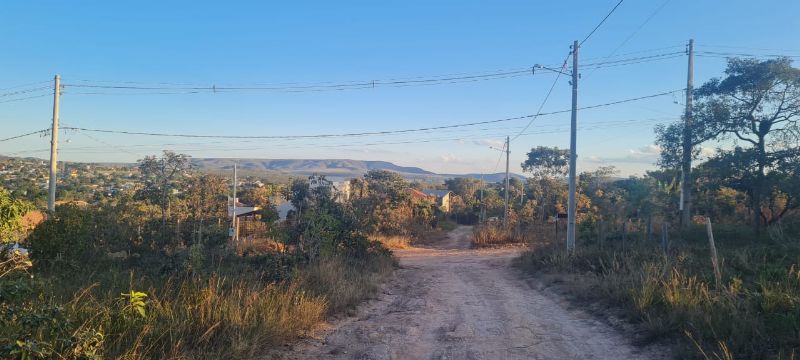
{"points": [[169, 46]]}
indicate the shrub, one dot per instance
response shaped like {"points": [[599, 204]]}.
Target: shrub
{"points": [[755, 313], [65, 240]]}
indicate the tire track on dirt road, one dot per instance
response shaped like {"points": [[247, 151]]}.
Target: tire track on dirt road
{"points": [[452, 302]]}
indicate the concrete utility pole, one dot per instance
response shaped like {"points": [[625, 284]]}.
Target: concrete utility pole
{"points": [[51, 196], [508, 153], [571, 211], [686, 163]]}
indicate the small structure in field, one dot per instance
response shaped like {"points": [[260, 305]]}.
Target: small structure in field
{"points": [[441, 197]]}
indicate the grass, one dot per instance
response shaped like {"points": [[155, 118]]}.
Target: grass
{"points": [[753, 314], [236, 310], [394, 242], [492, 234]]}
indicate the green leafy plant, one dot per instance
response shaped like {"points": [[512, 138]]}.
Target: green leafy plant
{"points": [[135, 304]]}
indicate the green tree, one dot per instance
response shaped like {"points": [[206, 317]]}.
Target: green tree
{"points": [[545, 161], [756, 104], [205, 199], [160, 176], [11, 213]]}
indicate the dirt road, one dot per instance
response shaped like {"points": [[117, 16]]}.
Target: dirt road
{"points": [[452, 302]]}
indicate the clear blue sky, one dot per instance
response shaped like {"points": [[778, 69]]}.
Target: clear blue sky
{"points": [[258, 42]]}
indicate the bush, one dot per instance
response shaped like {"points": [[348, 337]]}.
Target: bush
{"points": [[755, 313], [65, 240]]}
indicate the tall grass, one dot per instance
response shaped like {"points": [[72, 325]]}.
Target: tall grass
{"points": [[754, 313], [496, 234], [221, 314], [213, 318], [394, 242]]}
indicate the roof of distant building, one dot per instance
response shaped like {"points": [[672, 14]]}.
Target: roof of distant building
{"points": [[437, 193]]}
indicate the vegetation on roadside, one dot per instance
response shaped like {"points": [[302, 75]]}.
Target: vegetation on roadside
{"points": [[152, 274], [633, 254], [753, 313]]}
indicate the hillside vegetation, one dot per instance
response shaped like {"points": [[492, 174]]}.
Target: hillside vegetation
{"points": [[152, 274]]}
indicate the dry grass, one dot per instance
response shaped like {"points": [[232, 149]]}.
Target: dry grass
{"points": [[259, 247], [496, 234], [393, 242], [754, 314], [344, 284], [218, 318], [200, 316]]}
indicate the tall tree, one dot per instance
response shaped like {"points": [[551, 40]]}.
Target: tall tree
{"points": [[756, 104], [205, 199], [160, 176], [545, 161]]}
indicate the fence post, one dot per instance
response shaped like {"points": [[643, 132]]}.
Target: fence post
{"points": [[556, 228], [714, 261], [665, 237], [600, 233], [624, 233]]}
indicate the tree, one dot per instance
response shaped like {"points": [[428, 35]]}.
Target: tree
{"points": [[205, 199], [382, 202], [464, 187], [757, 104], [160, 176], [257, 195], [545, 161], [11, 214]]}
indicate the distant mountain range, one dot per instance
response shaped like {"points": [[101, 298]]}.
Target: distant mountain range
{"points": [[334, 169]]}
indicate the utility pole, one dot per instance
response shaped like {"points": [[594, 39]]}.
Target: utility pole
{"points": [[234, 220], [51, 196], [508, 153], [481, 216], [572, 153], [686, 163]]}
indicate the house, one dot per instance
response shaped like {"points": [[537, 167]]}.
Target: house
{"points": [[246, 219], [442, 198], [242, 210]]}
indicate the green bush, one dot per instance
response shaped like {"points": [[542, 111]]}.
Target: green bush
{"points": [[65, 240]]}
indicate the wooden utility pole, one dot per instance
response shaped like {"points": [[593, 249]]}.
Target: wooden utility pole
{"points": [[686, 163], [51, 196], [481, 214], [234, 220], [571, 211], [713, 247], [508, 153]]}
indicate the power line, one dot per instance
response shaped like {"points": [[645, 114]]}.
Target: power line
{"points": [[123, 132], [131, 88], [659, 49], [639, 28], [731, 54], [746, 48], [601, 23], [24, 135], [25, 91], [105, 150], [541, 106], [319, 86], [26, 98], [25, 85]]}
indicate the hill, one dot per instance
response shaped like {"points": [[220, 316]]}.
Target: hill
{"points": [[335, 169]]}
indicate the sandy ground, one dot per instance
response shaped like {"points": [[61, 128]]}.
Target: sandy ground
{"points": [[451, 302]]}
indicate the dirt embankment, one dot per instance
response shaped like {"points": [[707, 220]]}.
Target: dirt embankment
{"points": [[451, 302]]}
